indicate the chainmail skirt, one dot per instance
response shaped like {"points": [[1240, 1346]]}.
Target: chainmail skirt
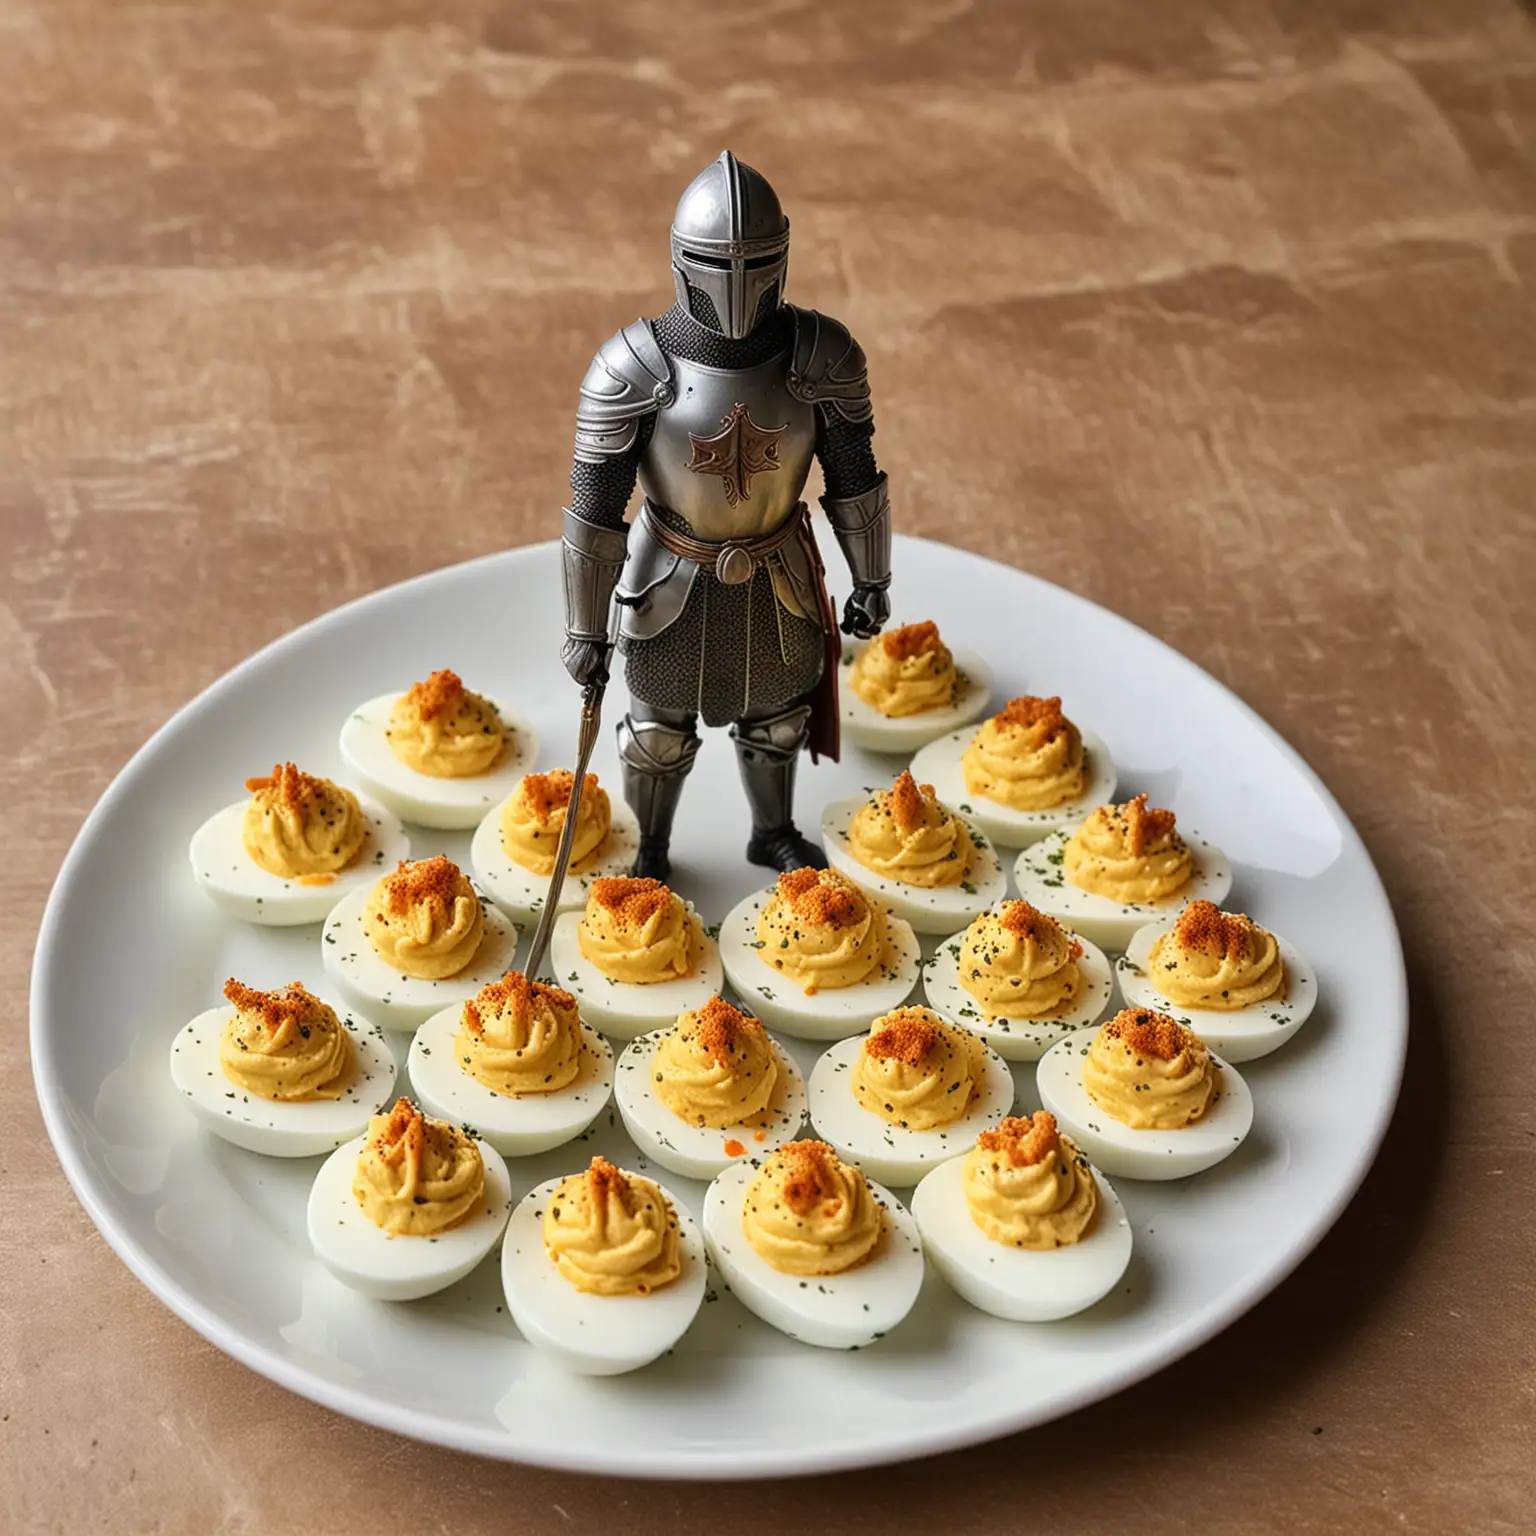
{"points": [[732, 652]]}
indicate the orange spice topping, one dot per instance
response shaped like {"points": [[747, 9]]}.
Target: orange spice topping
{"points": [[438, 695], [604, 1179], [423, 880], [1025, 1139], [733, 1148], [810, 1182], [1148, 1034], [911, 640], [1027, 710], [907, 1036], [404, 1133], [1205, 929], [633, 901], [720, 1027], [1144, 825], [291, 786], [809, 898], [284, 1007], [549, 792], [514, 990], [1028, 922], [905, 800]]}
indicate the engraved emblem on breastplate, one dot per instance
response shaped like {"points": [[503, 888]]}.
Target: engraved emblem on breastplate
{"points": [[739, 450]]}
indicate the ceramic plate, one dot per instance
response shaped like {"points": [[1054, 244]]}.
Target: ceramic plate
{"points": [[130, 950]]}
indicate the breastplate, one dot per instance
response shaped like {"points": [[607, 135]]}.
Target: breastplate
{"points": [[731, 452]]}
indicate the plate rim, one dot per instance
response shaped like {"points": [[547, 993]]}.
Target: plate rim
{"points": [[925, 1440]]}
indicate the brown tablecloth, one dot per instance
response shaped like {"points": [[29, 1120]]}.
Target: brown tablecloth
{"points": [[1218, 313]]}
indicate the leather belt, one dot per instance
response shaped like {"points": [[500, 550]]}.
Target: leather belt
{"points": [[732, 560]]}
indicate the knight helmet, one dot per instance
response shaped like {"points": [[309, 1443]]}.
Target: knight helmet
{"points": [[730, 246]]}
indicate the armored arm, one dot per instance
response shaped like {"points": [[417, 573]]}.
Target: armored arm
{"points": [[627, 383], [829, 368]]}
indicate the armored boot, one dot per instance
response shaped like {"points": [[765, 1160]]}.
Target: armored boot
{"points": [[656, 752], [768, 753]]}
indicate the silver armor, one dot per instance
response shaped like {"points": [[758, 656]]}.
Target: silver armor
{"points": [[591, 558], [863, 528], [730, 246]]}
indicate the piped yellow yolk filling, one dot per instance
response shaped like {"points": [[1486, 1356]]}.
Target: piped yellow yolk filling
{"points": [[822, 932], [1029, 757], [417, 1177], [1018, 963], [1027, 1186], [639, 932], [1128, 853], [425, 919], [1149, 1072], [905, 834], [300, 827], [916, 1071], [520, 1037], [611, 1233], [715, 1066], [809, 1213], [1216, 959], [906, 671], [534, 817], [285, 1045], [439, 728]]}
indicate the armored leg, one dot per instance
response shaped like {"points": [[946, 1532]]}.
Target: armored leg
{"points": [[656, 752], [768, 753]]}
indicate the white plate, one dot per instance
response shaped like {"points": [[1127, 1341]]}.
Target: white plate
{"points": [[219, 1234]]}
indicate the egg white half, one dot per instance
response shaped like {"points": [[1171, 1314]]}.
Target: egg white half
{"points": [[939, 764], [521, 892], [595, 1335], [623, 1009], [233, 879], [1238, 1034], [847, 1311], [1015, 1039], [1128, 1154], [368, 1260], [515, 1126], [275, 1129], [1020, 1284], [1041, 880], [892, 1153], [830, 1013], [865, 726], [697, 1151], [941, 910], [448, 804], [395, 1000]]}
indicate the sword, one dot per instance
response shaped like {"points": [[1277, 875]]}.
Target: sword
{"points": [[586, 740]]}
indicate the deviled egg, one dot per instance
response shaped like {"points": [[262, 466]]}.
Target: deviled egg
{"points": [[516, 1062], [513, 850], [817, 956], [1243, 990], [713, 1089], [813, 1247], [1019, 980], [1026, 771], [438, 755], [1144, 1098], [604, 1271], [907, 686], [636, 957], [408, 1208], [1123, 867], [295, 848], [1022, 1226], [910, 1094], [924, 861], [281, 1072], [420, 939]]}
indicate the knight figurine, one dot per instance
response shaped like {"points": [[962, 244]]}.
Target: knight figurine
{"points": [[719, 406]]}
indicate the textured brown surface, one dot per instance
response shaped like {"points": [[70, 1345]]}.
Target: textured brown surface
{"points": [[1219, 313]]}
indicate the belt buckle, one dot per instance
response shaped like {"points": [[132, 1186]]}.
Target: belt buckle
{"points": [[734, 565]]}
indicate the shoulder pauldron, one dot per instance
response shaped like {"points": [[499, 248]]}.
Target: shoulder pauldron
{"points": [[828, 366], [630, 378]]}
